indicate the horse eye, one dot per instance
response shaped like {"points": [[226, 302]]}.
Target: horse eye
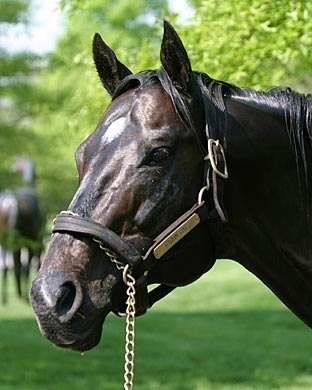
{"points": [[159, 156]]}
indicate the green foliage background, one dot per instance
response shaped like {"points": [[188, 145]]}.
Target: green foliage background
{"points": [[17, 91], [255, 43]]}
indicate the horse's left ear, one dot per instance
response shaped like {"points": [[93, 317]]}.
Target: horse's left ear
{"points": [[111, 71], [174, 58]]}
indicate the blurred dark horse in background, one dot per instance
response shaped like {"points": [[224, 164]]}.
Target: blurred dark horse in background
{"points": [[155, 191], [21, 225]]}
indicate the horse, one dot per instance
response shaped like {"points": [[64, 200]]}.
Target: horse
{"points": [[181, 170], [21, 225]]}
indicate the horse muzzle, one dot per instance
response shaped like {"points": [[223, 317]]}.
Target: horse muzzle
{"points": [[65, 314]]}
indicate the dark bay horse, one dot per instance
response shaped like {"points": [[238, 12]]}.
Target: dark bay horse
{"points": [[180, 171], [21, 225]]}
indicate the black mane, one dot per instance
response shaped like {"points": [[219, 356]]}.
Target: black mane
{"points": [[296, 107], [297, 111]]}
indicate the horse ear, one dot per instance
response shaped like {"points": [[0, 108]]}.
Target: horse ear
{"points": [[110, 70], [174, 58]]}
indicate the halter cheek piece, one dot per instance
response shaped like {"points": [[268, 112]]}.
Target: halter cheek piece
{"points": [[140, 262]]}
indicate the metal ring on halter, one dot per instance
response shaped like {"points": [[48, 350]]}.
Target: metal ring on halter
{"points": [[201, 193], [213, 161]]}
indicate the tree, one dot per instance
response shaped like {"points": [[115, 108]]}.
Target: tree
{"points": [[257, 43], [16, 93]]}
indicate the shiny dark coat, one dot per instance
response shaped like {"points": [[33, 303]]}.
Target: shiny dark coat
{"points": [[143, 167]]}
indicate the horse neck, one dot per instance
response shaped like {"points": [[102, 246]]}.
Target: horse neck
{"points": [[267, 204]]}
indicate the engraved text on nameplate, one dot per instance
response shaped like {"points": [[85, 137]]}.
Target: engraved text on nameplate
{"points": [[176, 235]]}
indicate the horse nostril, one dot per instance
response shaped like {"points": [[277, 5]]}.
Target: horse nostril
{"points": [[66, 299], [59, 294]]}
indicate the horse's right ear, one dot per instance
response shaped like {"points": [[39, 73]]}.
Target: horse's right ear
{"points": [[110, 70]]}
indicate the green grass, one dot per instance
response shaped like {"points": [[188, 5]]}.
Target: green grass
{"points": [[226, 331]]}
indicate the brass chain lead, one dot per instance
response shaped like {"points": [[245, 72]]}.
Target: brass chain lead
{"points": [[130, 316], [111, 255], [130, 333]]}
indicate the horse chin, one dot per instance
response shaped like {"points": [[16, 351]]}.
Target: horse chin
{"points": [[81, 335], [85, 341]]}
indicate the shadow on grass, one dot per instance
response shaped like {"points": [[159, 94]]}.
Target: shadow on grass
{"points": [[176, 351]]}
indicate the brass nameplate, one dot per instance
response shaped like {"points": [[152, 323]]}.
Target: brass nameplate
{"points": [[176, 235]]}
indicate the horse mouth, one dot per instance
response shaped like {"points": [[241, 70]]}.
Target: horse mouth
{"points": [[82, 342], [77, 335]]}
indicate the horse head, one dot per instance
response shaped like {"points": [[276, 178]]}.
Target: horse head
{"points": [[139, 171]]}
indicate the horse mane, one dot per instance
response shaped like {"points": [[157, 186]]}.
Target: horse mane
{"points": [[296, 107], [297, 111]]}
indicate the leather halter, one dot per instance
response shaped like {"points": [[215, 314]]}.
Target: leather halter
{"points": [[142, 260]]}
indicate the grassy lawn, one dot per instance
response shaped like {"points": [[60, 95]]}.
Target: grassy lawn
{"points": [[226, 331]]}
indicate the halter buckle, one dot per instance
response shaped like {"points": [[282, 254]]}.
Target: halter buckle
{"points": [[215, 146]]}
